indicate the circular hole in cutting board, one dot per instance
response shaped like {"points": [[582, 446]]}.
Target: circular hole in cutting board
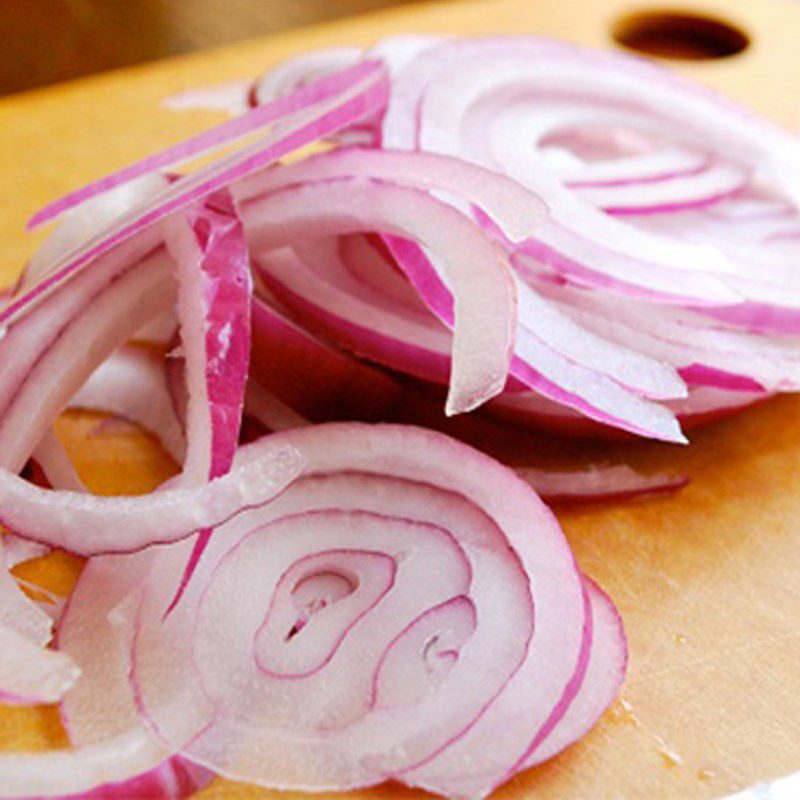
{"points": [[674, 34]]}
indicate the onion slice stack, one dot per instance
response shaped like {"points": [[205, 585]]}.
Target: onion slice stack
{"points": [[667, 203], [501, 229], [425, 614]]}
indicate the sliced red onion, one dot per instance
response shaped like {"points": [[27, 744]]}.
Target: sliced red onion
{"points": [[370, 263], [231, 97], [452, 98], [132, 384], [88, 524], [703, 353], [637, 166], [369, 515], [298, 101], [594, 483], [403, 340], [536, 110], [79, 224], [312, 377], [704, 404], [294, 73], [30, 674], [597, 483], [214, 311], [474, 272], [341, 100], [54, 461], [614, 156], [602, 674], [299, 71], [114, 756], [129, 765], [704, 188], [269, 411], [159, 331], [18, 550], [602, 682], [413, 343], [56, 347], [18, 612], [515, 209]]}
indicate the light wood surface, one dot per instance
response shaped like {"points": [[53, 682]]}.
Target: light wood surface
{"points": [[706, 581]]}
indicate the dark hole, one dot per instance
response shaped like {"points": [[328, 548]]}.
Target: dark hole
{"points": [[671, 34]]}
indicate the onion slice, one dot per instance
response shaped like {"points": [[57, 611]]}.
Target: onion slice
{"points": [[476, 275], [132, 384], [214, 312], [54, 461], [339, 563], [600, 483], [265, 115], [86, 524], [31, 674], [360, 91]]}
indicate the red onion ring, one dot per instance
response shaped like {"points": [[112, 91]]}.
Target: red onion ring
{"points": [[476, 276], [343, 100], [328, 525]]}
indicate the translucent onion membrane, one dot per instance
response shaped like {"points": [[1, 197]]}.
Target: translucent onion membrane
{"points": [[420, 619]]}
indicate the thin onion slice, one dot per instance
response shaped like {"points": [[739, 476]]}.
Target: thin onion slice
{"points": [[476, 275], [129, 765], [132, 385], [342, 101], [214, 312], [18, 550], [18, 613], [87, 524], [370, 514], [56, 465], [598, 483], [593, 483], [312, 377], [30, 674], [299, 100]]}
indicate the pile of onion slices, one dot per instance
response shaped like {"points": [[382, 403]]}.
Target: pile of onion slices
{"points": [[490, 229]]}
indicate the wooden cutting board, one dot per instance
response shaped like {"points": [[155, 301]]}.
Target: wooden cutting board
{"points": [[706, 581]]}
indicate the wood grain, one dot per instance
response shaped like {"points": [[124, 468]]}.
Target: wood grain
{"points": [[706, 581]]}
